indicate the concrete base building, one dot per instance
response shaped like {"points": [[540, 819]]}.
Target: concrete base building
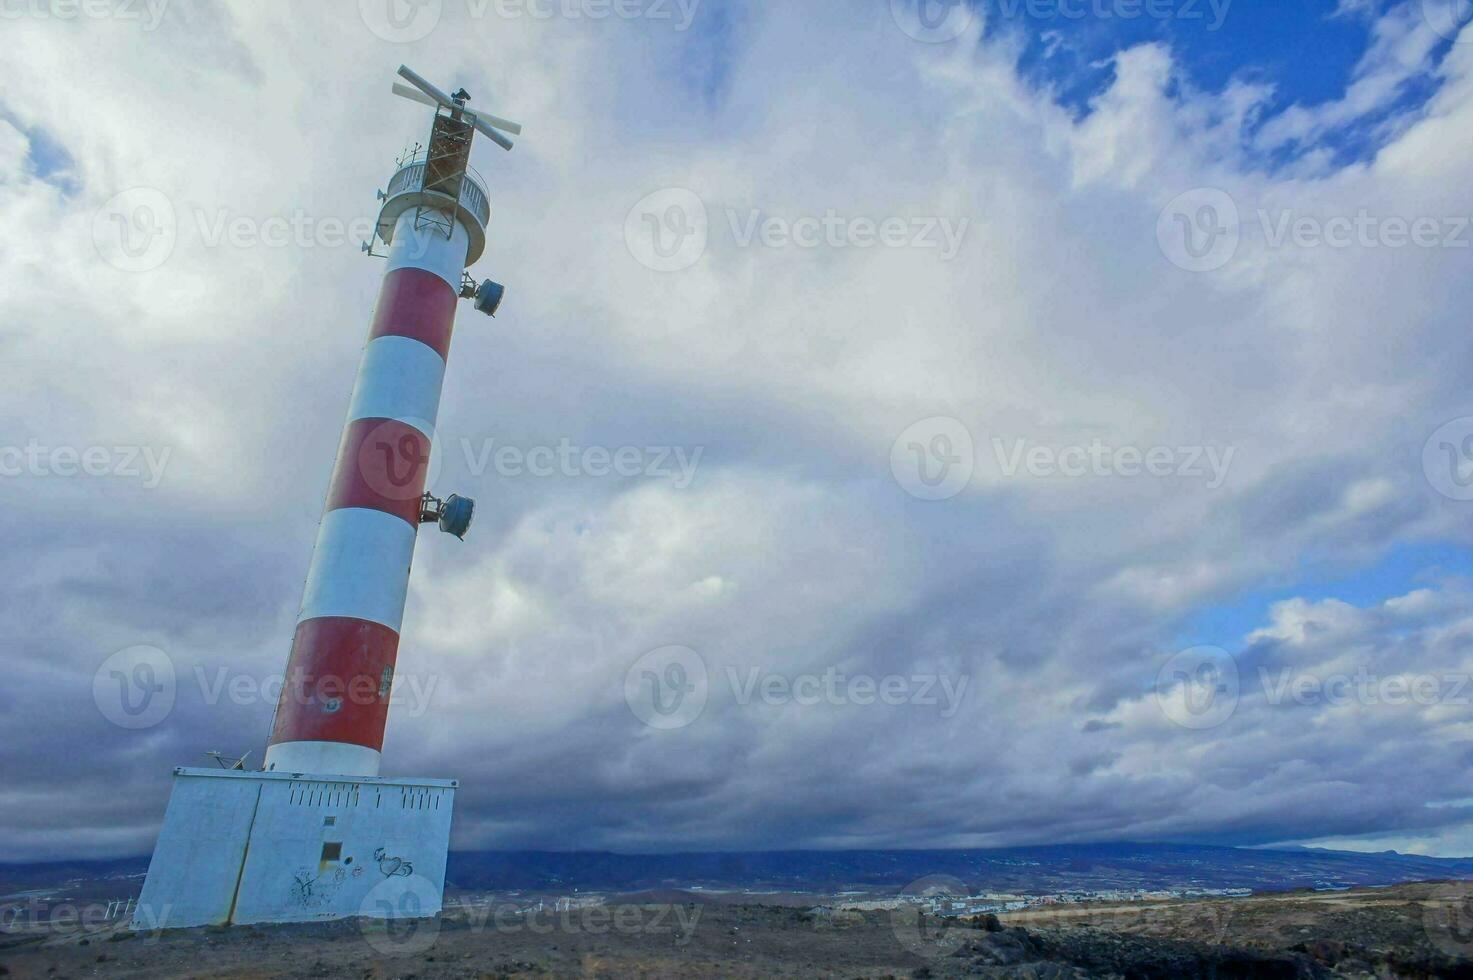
{"points": [[241, 847]]}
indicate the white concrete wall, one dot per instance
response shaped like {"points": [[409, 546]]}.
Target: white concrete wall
{"points": [[390, 834], [249, 847], [196, 862]]}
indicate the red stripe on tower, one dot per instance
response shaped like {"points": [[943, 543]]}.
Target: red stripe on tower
{"points": [[416, 304], [341, 674], [382, 465]]}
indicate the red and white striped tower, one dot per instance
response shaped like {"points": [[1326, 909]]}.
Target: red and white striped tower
{"points": [[333, 707], [238, 846]]}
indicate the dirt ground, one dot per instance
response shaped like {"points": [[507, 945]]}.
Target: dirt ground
{"points": [[1408, 931]]}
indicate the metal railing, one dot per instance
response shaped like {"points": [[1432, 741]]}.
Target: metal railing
{"points": [[473, 193]]}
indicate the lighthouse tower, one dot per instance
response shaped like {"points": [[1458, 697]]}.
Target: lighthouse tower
{"points": [[317, 833]]}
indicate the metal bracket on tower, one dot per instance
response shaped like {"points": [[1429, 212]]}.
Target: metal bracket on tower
{"points": [[436, 220]]}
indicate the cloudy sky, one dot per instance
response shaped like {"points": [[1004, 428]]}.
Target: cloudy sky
{"points": [[958, 426]]}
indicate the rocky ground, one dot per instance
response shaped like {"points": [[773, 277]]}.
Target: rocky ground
{"points": [[1406, 931]]}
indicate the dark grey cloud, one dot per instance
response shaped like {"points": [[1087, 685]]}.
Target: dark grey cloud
{"points": [[1035, 610]]}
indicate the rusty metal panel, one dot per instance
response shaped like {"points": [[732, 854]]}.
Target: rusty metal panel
{"points": [[448, 156]]}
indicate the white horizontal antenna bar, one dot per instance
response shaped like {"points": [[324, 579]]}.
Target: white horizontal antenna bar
{"points": [[425, 87], [491, 134], [413, 95], [514, 128], [431, 96]]}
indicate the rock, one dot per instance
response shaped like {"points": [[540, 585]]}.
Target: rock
{"points": [[1326, 951], [1005, 947]]}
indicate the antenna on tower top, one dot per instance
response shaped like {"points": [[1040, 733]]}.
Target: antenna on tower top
{"points": [[426, 94]]}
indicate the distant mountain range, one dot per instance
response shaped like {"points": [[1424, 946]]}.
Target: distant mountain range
{"points": [[1037, 870], [1019, 869]]}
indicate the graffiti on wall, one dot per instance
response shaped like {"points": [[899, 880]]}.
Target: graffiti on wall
{"points": [[392, 866]]}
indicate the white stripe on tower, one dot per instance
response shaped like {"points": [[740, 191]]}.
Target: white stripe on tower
{"points": [[429, 249], [360, 568], [400, 379]]}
